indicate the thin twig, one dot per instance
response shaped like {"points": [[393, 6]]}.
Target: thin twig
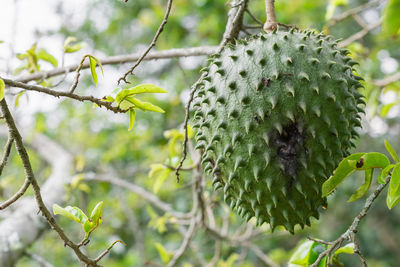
{"points": [[319, 241], [152, 44], [358, 251], [16, 196], [359, 35], [120, 59], [254, 18], [334, 245], [143, 193], [387, 80], [6, 153], [77, 75], [261, 255], [353, 11], [39, 259], [108, 250], [186, 241], [271, 23]]}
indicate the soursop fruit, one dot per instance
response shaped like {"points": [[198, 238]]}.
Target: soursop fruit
{"points": [[275, 114]]}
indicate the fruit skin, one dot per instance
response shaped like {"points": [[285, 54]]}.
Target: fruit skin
{"points": [[275, 114]]}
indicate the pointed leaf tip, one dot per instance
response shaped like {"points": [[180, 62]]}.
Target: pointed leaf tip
{"points": [[132, 115]]}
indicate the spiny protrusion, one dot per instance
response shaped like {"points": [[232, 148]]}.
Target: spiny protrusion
{"points": [[248, 126], [300, 47], [234, 113], [235, 138], [267, 158], [272, 100], [251, 148], [303, 76], [232, 85], [316, 110], [265, 138], [233, 57], [289, 114], [222, 125], [289, 88], [228, 149], [238, 163], [302, 105], [256, 174], [313, 61], [221, 100]]}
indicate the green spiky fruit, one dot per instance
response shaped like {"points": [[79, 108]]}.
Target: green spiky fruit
{"points": [[275, 114]]}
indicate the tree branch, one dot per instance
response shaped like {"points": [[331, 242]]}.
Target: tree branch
{"points": [[16, 196], [387, 80], [271, 23], [359, 35], [146, 195], [120, 59], [353, 11], [6, 153], [14, 133], [334, 245], [48, 91], [152, 44]]}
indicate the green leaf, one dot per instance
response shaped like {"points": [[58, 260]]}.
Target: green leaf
{"points": [[300, 256], [98, 62], [341, 173], [2, 89], [315, 250], [122, 94], [144, 105], [363, 189], [391, 151], [71, 48], [109, 99], [88, 227], [164, 254], [348, 249], [370, 160], [74, 48], [126, 105], [73, 213], [140, 89], [154, 168], [160, 179], [44, 55], [393, 196], [391, 18], [95, 216], [92, 63], [146, 88], [384, 173], [132, 114], [18, 97]]}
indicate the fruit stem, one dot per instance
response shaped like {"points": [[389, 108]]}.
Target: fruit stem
{"points": [[271, 23]]}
